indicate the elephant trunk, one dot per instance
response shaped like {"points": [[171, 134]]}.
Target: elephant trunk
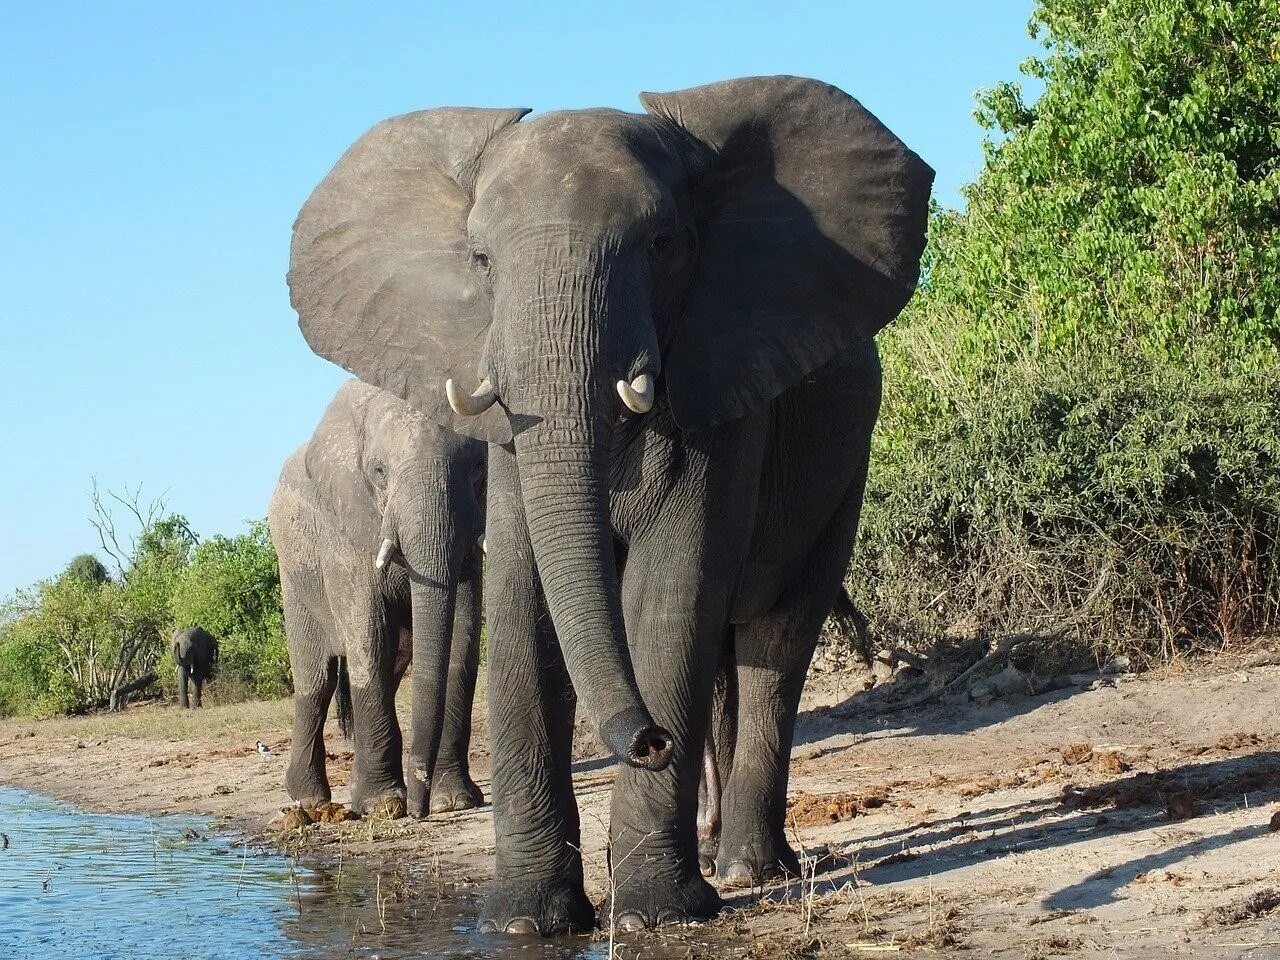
{"points": [[419, 522], [433, 606], [562, 476]]}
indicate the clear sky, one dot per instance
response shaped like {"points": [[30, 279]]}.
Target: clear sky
{"points": [[153, 156]]}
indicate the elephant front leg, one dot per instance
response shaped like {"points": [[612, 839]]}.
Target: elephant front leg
{"points": [[377, 776], [537, 883], [452, 787], [675, 621]]}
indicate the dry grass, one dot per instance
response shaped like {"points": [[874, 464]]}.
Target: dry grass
{"points": [[159, 722]]}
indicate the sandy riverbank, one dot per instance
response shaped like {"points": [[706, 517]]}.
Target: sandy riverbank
{"points": [[1129, 820]]}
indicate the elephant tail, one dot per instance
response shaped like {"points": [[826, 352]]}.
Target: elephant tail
{"points": [[853, 620], [344, 698]]}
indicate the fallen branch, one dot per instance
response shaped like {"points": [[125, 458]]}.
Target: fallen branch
{"points": [[120, 694]]}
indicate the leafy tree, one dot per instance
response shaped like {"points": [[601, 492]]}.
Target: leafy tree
{"points": [[87, 568]]}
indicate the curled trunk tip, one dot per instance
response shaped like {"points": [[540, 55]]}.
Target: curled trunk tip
{"points": [[636, 740]]}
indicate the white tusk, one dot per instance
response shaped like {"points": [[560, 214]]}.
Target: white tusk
{"points": [[484, 545], [477, 403], [384, 554], [638, 394]]}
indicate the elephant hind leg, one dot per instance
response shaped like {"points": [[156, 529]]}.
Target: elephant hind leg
{"points": [[773, 654], [184, 678], [717, 759]]}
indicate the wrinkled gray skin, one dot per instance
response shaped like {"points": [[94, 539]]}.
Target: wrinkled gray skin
{"points": [[196, 654], [740, 243], [375, 471]]}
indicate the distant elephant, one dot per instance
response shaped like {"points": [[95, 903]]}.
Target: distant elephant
{"points": [[196, 654], [377, 521], [670, 320]]}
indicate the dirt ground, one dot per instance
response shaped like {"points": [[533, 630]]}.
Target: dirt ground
{"points": [[1128, 816]]}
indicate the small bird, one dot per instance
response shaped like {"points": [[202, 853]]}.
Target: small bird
{"points": [[263, 750]]}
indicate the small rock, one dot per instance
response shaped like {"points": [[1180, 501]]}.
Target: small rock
{"points": [[1181, 806], [1009, 682], [1116, 665]]}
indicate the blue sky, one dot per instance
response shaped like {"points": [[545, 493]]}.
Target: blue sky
{"points": [[154, 156]]}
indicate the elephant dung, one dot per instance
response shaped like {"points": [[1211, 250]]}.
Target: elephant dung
{"points": [[294, 818], [389, 808], [332, 813]]}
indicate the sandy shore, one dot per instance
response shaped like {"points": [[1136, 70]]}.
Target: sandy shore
{"points": [[1127, 820]]}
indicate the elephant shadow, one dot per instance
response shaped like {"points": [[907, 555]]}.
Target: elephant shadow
{"points": [[1193, 794], [886, 713]]}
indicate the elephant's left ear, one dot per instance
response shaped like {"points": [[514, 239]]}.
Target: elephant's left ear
{"points": [[811, 218]]}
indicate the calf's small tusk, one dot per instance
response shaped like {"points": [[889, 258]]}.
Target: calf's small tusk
{"points": [[384, 554], [638, 394], [470, 406]]}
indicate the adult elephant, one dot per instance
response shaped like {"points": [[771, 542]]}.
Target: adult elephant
{"points": [[377, 521], [195, 652], [669, 316]]}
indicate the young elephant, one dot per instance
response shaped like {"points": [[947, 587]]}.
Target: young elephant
{"points": [[196, 654], [377, 521]]}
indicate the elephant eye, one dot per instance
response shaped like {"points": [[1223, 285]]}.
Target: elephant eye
{"points": [[480, 260]]}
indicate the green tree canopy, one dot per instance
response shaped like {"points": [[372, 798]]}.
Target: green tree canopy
{"points": [[1080, 399], [87, 568]]}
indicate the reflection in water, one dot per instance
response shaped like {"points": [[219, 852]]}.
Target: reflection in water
{"points": [[80, 885]]}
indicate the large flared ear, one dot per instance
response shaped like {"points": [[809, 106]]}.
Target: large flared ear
{"points": [[811, 220], [379, 269]]}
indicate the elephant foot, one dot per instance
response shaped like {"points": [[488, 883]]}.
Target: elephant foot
{"points": [[652, 898], [755, 863], [454, 790], [383, 805], [532, 906], [307, 788]]}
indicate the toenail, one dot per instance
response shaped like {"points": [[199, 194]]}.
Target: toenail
{"points": [[630, 922], [740, 870], [488, 926], [671, 916], [522, 926]]}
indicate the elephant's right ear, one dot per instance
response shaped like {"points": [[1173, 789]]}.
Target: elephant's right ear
{"points": [[379, 268]]}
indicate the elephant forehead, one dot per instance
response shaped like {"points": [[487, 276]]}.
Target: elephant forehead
{"points": [[588, 166]]}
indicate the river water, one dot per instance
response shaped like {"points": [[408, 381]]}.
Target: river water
{"points": [[107, 886]]}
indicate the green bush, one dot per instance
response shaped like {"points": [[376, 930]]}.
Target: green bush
{"points": [[1080, 405], [66, 643]]}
